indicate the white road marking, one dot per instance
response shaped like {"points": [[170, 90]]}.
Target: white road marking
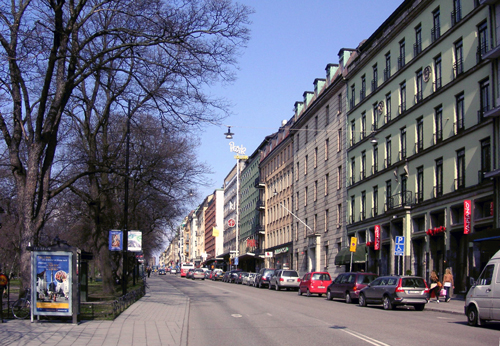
{"points": [[365, 338], [236, 315]]}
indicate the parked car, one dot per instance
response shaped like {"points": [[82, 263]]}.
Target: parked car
{"points": [[208, 274], [225, 277], [218, 276], [239, 277], [233, 275], [173, 271], [483, 298], [189, 273], [248, 280], [348, 285], [197, 273], [391, 291], [263, 277], [314, 283], [284, 278], [162, 272]]}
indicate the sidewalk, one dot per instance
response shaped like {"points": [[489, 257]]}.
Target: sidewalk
{"points": [[454, 306], [158, 318]]}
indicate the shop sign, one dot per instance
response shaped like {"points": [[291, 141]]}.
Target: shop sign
{"points": [[282, 250], [467, 216], [269, 254], [376, 246]]}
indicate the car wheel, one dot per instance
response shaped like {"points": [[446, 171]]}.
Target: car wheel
{"points": [[472, 318], [348, 299], [362, 300], [308, 293], [329, 295], [420, 307], [387, 303], [299, 292], [277, 287]]}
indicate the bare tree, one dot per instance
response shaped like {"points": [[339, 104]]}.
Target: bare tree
{"points": [[169, 50]]}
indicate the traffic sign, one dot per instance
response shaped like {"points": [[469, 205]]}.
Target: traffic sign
{"points": [[400, 246], [231, 223]]}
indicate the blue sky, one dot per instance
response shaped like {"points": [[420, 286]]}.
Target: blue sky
{"points": [[291, 43]]}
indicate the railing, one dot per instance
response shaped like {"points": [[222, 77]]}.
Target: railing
{"points": [[459, 183], [459, 126], [456, 16], [387, 116], [438, 136], [374, 211], [481, 50], [401, 62], [387, 75], [417, 48], [437, 84], [402, 154], [419, 146], [458, 67], [362, 215], [259, 184], [362, 93], [419, 96], [261, 204], [419, 197], [374, 85], [438, 190], [435, 33], [352, 103], [374, 168], [401, 199], [402, 108]]}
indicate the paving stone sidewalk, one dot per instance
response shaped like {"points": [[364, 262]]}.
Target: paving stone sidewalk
{"points": [[158, 318]]}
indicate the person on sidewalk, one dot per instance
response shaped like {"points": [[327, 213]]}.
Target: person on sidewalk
{"points": [[448, 283], [435, 285]]}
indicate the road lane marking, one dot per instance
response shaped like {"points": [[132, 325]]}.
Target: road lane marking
{"points": [[236, 315], [365, 338]]}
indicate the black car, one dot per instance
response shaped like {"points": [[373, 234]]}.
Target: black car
{"points": [[233, 275], [162, 272], [264, 277]]}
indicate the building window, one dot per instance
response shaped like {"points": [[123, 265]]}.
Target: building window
{"points": [[420, 135], [387, 70], [327, 219], [353, 167], [327, 181], [419, 86], [404, 189], [402, 97], [375, 117], [437, 73], [375, 78], [363, 125], [305, 196], [315, 157], [305, 165], [459, 111], [307, 133], [459, 58], [438, 188], [353, 96], [352, 209], [297, 201], [375, 201], [436, 25], [403, 143], [388, 151], [420, 184], [485, 156], [340, 104], [297, 172], [363, 164], [363, 205], [456, 15], [402, 54], [327, 114], [417, 47], [484, 87], [388, 195], [327, 145], [339, 177], [375, 158], [482, 47], [460, 182], [339, 140], [315, 223], [438, 124], [362, 92], [315, 190], [353, 132], [339, 215], [388, 107]]}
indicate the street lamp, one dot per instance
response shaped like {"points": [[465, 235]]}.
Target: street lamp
{"points": [[295, 216]]}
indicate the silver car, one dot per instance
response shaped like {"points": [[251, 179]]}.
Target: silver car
{"points": [[285, 278], [249, 279], [391, 291]]}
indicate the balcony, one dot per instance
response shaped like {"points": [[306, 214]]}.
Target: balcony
{"points": [[387, 75], [435, 34], [482, 49], [399, 200], [259, 183], [438, 190], [401, 62], [417, 48], [458, 67], [261, 204], [374, 85]]}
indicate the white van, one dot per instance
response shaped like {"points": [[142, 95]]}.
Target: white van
{"points": [[482, 302]]}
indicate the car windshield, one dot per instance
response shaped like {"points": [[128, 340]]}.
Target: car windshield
{"points": [[319, 276], [366, 279], [290, 273], [413, 282]]}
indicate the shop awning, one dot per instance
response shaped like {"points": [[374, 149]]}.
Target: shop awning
{"points": [[489, 234], [344, 255]]}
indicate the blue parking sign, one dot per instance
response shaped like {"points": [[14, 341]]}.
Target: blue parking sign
{"points": [[400, 246]]}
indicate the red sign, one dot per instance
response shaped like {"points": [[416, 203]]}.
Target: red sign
{"points": [[231, 223], [4, 280], [376, 246], [467, 216]]}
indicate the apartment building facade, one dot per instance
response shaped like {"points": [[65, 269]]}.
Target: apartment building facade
{"points": [[419, 145]]}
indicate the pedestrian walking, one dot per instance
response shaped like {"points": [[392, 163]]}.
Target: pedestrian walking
{"points": [[448, 283], [148, 270], [435, 285]]}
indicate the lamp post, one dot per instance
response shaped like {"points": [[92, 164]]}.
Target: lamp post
{"points": [[125, 207], [240, 151]]}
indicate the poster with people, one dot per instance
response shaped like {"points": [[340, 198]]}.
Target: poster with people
{"points": [[53, 283], [115, 240]]}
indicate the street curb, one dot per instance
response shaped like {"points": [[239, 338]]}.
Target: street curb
{"points": [[185, 324]]}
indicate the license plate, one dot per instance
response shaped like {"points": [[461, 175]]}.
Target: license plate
{"points": [[290, 280], [321, 286], [413, 292]]}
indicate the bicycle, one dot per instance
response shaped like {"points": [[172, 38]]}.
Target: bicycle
{"points": [[22, 307]]}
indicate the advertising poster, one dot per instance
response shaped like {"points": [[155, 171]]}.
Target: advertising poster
{"points": [[53, 283], [135, 241], [115, 240]]}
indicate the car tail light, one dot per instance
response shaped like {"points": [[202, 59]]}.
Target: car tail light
{"points": [[281, 279], [298, 280], [399, 288], [426, 287], [355, 288]]}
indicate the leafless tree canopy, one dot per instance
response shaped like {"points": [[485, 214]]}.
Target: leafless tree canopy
{"points": [[69, 70]]}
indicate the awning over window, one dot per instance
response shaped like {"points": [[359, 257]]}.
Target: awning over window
{"points": [[344, 255]]}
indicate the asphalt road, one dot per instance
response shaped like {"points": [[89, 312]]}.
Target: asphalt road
{"points": [[224, 314]]}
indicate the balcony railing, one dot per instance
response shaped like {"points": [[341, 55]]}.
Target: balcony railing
{"points": [[387, 116], [458, 67], [374, 211], [374, 85], [456, 16], [401, 62], [419, 96], [438, 190], [362, 93], [374, 168], [459, 183], [402, 108], [435, 33], [387, 75], [259, 183], [481, 50], [437, 84], [438, 136], [417, 48], [399, 200], [419, 197], [459, 126], [362, 215], [261, 204], [402, 154], [419, 146], [352, 103]]}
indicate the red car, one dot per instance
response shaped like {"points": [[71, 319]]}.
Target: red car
{"points": [[315, 283]]}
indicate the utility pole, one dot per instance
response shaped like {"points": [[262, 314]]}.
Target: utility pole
{"points": [[125, 206]]}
